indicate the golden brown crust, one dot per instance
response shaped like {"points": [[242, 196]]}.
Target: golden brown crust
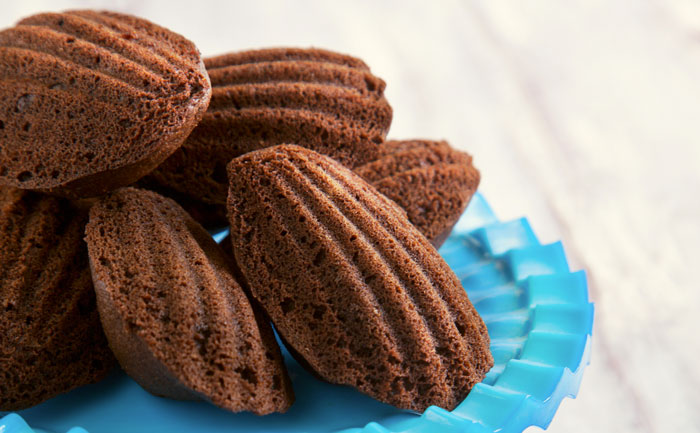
{"points": [[350, 284]]}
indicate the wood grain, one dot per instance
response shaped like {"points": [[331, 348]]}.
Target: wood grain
{"points": [[581, 115]]}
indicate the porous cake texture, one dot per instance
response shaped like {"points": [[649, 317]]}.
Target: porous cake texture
{"points": [[360, 295], [90, 101], [429, 179], [318, 99], [51, 340], [175, 317]]}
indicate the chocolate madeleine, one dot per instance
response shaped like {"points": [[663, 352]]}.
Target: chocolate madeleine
{"points": [[210, 216], [175, 317], [350, 284], [51, 340], [91, 101], [430, 180], [325, 101]]}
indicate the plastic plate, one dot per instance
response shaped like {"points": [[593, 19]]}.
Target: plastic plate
{"points": [[539, 319]]}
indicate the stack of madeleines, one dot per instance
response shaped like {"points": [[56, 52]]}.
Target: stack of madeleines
{"points": [[119, 146]]}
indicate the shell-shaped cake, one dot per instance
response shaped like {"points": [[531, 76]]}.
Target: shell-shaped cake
{"points": [[318, 99], [175, 317], [51, 340], [430, 180], [352, 287], [90, 101]]}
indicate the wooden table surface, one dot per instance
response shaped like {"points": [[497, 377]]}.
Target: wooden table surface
{"points": [[582, 115]]}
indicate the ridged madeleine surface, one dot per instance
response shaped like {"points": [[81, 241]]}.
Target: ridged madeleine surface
{"points": [[325, 101], [174, 315], [358, 293], [430, 180], [51, 340], [90, 101]]}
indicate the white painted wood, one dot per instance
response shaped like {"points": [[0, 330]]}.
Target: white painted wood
{"points": [[582, 115]]}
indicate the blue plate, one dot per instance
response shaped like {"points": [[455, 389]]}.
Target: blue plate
{"points": [[539, 320]]}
